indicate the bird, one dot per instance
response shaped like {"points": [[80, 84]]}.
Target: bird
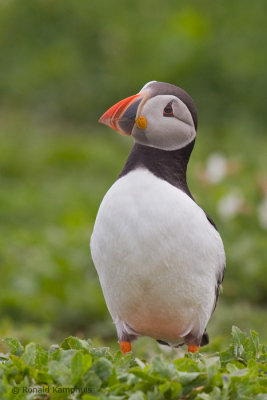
{"points": [[159, 257]]}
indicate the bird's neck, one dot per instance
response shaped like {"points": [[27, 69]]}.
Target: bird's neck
{"points": [[168, 165]]}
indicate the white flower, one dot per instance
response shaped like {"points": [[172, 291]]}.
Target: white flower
{"points": [[216, 168], [230, 205], [262, 213]]}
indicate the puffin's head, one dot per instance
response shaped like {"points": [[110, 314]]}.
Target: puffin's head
{"points": [[161, 115]]}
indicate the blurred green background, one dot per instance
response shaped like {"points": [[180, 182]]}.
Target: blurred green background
{"points": [[62, 64]]}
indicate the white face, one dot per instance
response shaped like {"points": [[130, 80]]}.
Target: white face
{"points": [[170, 125]]}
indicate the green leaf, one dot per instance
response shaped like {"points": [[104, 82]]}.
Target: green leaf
{"points": [[98, 352], [15, 346], [204, 396], [160, 367], [80, 363], [41, 357], [92, 381], [17, 362], [137, 396], [239, 339], [146, 376], [29, 354], [103, 368], [59, 371], [170, 389], [87, 362], [186, 364], [43, 377], [187, 377], [63, 355], [75, 343], [254, 343], [76, 367]]}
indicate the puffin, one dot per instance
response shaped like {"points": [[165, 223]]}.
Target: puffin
{"points": [[158, 255]]}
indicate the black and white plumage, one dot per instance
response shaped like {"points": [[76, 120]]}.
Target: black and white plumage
{"points": [[159, 257]]}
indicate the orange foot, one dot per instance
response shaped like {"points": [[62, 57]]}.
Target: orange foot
{"points": [[125, 347], [192, 348]]}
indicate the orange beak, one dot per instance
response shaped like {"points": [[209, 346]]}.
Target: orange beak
{"points": [[122, 115]]}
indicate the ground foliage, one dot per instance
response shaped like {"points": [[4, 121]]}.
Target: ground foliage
{"points": [[78, 370]]}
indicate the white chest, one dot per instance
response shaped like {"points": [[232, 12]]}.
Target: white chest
{"points": [[157, 257]]}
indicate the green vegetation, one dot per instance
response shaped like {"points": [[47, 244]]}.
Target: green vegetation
{"points": [[62, 64], [79, 370]]}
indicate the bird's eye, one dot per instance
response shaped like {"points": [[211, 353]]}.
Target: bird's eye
{"points": [[168, 111]]}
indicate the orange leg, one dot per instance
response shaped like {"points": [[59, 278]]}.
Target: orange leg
{"points": [[125, 347], [192, 348]]}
